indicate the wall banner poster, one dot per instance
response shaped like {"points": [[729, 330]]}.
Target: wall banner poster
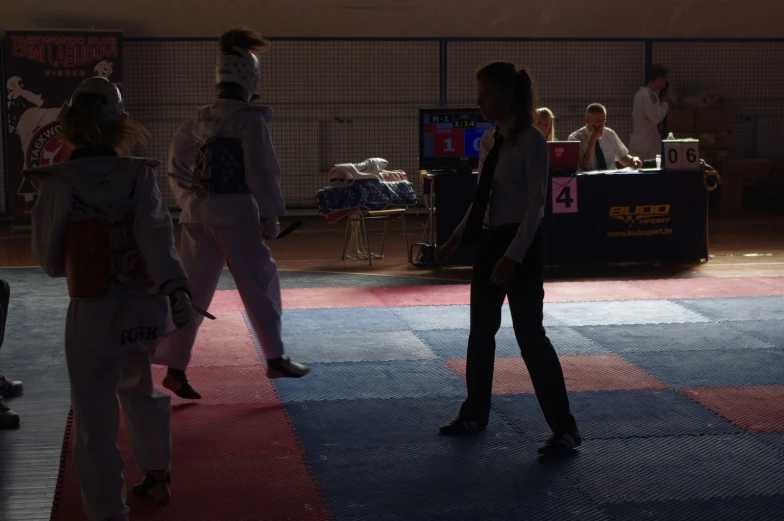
{"points": [[42, 68]]}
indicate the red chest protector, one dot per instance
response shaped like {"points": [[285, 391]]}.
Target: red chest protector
{"points": [[99, 253], [100, 250]]}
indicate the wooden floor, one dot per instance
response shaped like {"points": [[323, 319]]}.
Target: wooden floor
{"points": [[738, 248]]}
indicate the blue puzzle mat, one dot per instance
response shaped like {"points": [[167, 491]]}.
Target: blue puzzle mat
{"points": [[346, 381], [451, 343], [369, 426], [676, 468], [353, 347], [737, 308], [620, 414], [384, 379], [713, 368], [707, 336]]}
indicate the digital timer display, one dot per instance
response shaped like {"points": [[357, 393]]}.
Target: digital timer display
{"points": [[464, 123], [451, 135]]}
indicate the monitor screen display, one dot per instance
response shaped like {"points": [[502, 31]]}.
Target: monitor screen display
{"points": [[449, 138]]}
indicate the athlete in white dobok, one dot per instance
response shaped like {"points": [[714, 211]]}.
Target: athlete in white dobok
{"points": [[226, 179], [100, 221]]}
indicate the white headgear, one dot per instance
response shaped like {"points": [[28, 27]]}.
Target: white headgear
{"points": [[244, 70], [14, 83], [113, 110]]}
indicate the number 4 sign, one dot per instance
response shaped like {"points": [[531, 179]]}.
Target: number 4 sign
{"points": [[564, 194]]}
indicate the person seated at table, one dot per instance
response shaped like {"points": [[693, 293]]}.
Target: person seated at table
{"points": [[600, 146], [545, 121]]}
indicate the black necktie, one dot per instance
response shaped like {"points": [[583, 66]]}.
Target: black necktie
{"points": [[476, 216], [601, 163]]}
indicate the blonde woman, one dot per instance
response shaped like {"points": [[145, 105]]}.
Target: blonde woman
{"points": [[101, 223], [545, 121]]}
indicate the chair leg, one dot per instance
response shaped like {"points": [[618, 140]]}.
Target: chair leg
{"points": [[426, 233], [383, 239], [363, 227], [405, 236], [345, 237]]}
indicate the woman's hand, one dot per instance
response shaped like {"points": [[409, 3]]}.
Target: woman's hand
{"points": [[503, 271], [446, 250]]}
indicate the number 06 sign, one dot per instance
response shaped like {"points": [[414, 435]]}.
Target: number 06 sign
{"points": [[564, 194]]}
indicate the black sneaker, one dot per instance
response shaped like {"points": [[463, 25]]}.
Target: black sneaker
{"points": [[8, 418], [457, 427], [10, 388], [154, 489], [177, 382], [284, 367], [562, 443]]}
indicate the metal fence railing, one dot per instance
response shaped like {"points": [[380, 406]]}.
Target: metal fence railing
{"points": [[343, 100]]}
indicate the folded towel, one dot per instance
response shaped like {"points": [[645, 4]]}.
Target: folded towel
{"points": [[345, 173]]}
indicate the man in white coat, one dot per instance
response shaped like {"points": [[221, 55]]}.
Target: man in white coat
{"points": [[649, 109], [226, 179]]}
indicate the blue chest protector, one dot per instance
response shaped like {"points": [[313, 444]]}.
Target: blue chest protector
{"points": [[220, 166]]}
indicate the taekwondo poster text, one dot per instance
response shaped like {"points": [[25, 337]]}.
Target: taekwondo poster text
{"points": [[42, 68]]}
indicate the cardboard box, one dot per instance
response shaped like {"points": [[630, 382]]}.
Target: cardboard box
{"points": [[713, 140], [713, 120], [681, 120], [681, 155], [763, 196], [734, 174], [715, 158], [776, 169]]}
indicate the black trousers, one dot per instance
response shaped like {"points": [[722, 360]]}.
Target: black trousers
{"points": [[526, 303]]}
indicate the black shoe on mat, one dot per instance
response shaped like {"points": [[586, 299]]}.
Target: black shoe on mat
{"points": [[457, 427], [562, 443], [177, 382]]}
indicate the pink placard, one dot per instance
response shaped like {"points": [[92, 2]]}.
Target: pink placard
{"points": [[564, 194]]}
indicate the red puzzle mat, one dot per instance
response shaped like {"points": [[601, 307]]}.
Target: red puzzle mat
{"points": [[235, 453], [584, 291]]}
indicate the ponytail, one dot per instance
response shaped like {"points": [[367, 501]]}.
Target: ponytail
{"points": [[244, 38], [525, 101]]}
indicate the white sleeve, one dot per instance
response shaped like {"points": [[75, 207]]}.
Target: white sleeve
{"points": [[49, 220], [33, 98], [183, 153], [262, 170], [154, 231], [537, 173], [484, 149], [621, 150], [654, 110]]}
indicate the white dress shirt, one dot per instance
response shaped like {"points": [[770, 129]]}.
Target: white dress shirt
{"points": [[611, 145], [519, 185], [647, 113]]}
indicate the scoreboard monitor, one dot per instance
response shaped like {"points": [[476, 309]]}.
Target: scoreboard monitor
{"points": [[449, 138]]}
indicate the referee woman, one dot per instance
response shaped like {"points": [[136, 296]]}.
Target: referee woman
{"points": [[505, 220]]}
